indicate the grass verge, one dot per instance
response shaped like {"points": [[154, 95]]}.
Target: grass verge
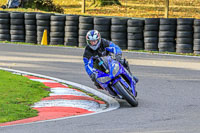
{"points": [[128, 8], [18, 93]]}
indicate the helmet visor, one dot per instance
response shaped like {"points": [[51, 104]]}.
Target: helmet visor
{"points": [[93, 42]]}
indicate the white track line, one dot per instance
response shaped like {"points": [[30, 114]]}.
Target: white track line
{"points": [[66, 91]]}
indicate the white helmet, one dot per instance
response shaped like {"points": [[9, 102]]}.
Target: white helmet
{"points": [[93, 35]]}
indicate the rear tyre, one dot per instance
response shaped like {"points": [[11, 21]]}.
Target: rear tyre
{"points": [[126, 94]]}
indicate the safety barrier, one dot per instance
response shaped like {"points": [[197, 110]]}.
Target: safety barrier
{"points": [[17, 27], [71, 30], [180, 35], [30, 27], [167, 35]]}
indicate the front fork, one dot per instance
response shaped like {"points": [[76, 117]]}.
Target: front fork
{"points": [[125, 84]]}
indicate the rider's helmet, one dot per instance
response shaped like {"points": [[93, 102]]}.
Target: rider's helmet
{"points": [[93, 39]]}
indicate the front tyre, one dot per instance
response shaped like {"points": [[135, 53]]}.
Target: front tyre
{"points": [[130, 98]]}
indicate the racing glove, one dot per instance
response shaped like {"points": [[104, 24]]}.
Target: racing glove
{"points": [[118, 57], [104, 53]]}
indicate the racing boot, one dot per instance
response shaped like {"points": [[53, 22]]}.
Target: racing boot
{"points": [[93, 78], [98, 86]]}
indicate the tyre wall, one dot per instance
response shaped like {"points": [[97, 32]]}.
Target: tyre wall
{"points": [[196, 41], [57, 31], [103, 26], [71, 30], [85, 24], [17, 27], [151, 29], [167, 35], [135, 35], [30, 28], [181, 35], [119, 32], [4, 26], [184, 40], [43, 22]]}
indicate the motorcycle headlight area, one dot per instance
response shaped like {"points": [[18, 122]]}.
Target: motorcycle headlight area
{"points": [[116, 69], [104, 79]]}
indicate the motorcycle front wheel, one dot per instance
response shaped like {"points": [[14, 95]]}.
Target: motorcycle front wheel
{"points": [[126, 94]]}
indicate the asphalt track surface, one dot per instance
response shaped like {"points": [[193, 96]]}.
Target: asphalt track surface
{"points": [[168, 91]]}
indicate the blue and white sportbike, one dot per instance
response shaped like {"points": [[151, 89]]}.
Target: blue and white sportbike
{"points": [[115, 78]]}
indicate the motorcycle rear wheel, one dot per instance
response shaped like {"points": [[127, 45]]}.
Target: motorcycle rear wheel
{"points": [[126, 94]]}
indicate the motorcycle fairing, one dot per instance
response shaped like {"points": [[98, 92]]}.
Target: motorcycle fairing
{"points": [[112, 79]]}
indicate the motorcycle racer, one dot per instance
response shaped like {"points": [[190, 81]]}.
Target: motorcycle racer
{"points": [[100, 46]]}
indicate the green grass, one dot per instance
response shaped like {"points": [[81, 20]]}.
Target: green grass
{"points": [[18, 93], [129, 8]]}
